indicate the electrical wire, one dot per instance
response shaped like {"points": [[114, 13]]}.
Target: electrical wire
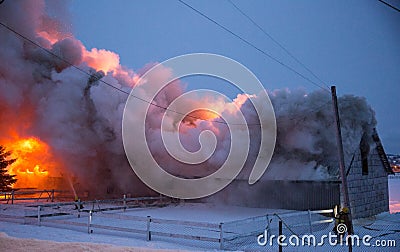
{"points": [[276, 42], [123, 91], [253, 46], [391, 6], [112, 86]]}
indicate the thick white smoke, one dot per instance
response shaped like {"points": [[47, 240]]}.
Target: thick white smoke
{"points": [[80, 117], [306, 146]]}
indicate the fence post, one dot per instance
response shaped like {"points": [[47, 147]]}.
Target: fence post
{"points": [[267, 227], [221, 236], [12, 197], [124, 202], [309, 220], [148, 238], [280, 233], [90, 222], [52, 195], [79, 208], [38, 215]]}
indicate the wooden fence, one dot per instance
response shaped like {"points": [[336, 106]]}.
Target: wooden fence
{"points": [[224, 233], [23, 195], [247, 230], [220, 233]]}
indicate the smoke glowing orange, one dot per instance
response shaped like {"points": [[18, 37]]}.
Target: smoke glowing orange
{"points": [[101, 59], [204, 114], [200, 114]]}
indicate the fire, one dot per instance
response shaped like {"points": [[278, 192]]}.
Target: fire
{"points": [[34, 162], [36, 171]]}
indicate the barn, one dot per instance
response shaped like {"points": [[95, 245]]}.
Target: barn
{"points": [[367, 177]]}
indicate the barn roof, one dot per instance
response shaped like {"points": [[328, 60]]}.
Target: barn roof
{"points": [[381, 152]]}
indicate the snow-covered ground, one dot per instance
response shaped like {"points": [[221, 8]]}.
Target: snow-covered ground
{"points": [[19, 233], [203, 213], [76, 237], [13, 244]]}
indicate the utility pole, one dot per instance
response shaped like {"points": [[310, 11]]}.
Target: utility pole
{"points": [[344, 189]]}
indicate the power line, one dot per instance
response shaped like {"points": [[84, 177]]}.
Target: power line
{"points": [[89, 74], [110, 85], [128, 93], [391, 6], [275, 41], [58, 57], [252, 45]]}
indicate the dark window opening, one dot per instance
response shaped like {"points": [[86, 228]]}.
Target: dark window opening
{"points": [[364, 151]]}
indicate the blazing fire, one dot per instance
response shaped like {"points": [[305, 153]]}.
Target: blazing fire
{"points": [[34, 162], [43, 96]]}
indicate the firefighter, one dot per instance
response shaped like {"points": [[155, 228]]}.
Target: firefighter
{"points": [[77, 202], [342, 223]]}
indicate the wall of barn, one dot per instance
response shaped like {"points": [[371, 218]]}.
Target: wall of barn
{"points": [[368, 193]]}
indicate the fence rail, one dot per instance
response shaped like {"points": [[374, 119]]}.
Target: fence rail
{"points": [[14, 195], [396, 175], [150, 227], [243, 232]]}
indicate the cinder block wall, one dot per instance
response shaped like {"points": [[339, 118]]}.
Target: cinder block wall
{"points": [[369, 194]]}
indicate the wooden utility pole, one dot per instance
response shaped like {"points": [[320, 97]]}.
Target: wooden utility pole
{"points": [[344, 189]]}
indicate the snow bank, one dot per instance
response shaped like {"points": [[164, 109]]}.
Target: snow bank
{"points": [[8, 243]]}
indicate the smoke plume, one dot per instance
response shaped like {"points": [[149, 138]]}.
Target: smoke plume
{"points": [[79, 117]]}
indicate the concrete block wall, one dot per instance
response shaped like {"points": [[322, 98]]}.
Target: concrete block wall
{"points": [[369, 194]]}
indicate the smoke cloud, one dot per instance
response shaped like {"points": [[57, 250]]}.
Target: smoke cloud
{"points": [[80, 118]]}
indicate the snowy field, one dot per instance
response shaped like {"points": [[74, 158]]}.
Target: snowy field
{"points": [[56, 232], [8, 243], [53, 231]]}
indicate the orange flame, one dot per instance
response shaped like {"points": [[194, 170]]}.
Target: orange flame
{"points": [[34, 162], [36, 171]]}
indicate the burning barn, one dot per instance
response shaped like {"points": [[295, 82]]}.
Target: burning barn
{"points": [[303, 173], [61, 116], [61, 126], [367, 177]]}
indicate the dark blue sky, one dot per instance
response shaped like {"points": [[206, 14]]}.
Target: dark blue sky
{"points": [[354, 45]]}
